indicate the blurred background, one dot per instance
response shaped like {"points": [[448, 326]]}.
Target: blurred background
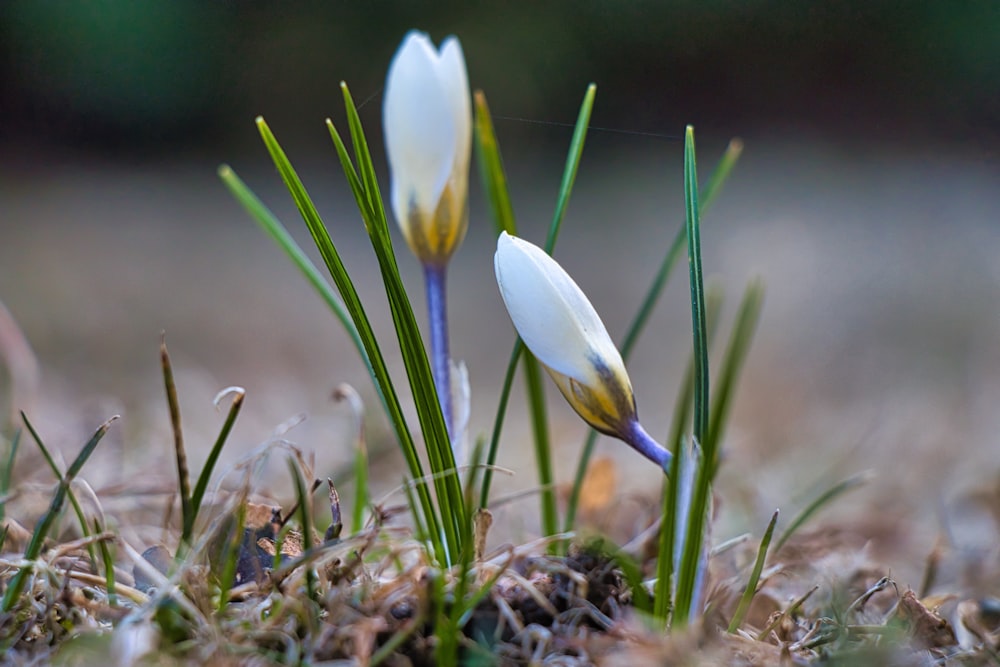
{"points": [[868, 200]]}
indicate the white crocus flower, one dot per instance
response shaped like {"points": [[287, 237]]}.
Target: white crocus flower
{"points": [[427, 117], [561, 328]]}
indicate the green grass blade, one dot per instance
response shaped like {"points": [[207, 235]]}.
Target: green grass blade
{"points": [[464, 578], [732, 363], [180, 455], [698, 317], [758, 567], [633, 575], [663, 594], [709, 193], [533, 377], [16, 586], [491, 456], [420, 530], [479, 595], [495, 184], [719, 175], [54, 467], [213, 456], [787, 612], [837, 490], [365, 165], [397, 640], [681, 418], [6, 475], [543, 449], [304, 502], [417, 364], [361, 493], [695, 535], [631, 571], [231, 556], [674, 503], [352, 303], [572, 166], [418, 368], [586, 454], [491, 167], [109, 566]]}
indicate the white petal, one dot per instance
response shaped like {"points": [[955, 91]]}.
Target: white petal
{"points": [[420, 133], [455, 80], [551, 313]]}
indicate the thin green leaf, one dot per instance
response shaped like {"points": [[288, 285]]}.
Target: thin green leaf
{"points": [[388, 649], [572, 166], [631, 571], [543, 450], [496, 188], [231, 555], [758, 567], [8, 469], [109, 566], [365, 165], [663, 596], [491, 456], [698, 317], [352, 303], [711, 190], [838, 489], [498, 195], [672, 501], [681, 418], [491, 167], [719, 175], [788, 611], [74, 503], [420, 530], [732, 363], [304, 502], [418, 369], [484, 589], [694, 539], [180, 455], [533, 377], [16, 586], [465, 577], [213, 456], [446, 651], [361, 494]]}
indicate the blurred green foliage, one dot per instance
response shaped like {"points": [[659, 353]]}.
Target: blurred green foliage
{"points": [[147, 70]]}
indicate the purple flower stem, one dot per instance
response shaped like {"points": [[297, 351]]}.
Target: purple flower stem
{"points": [[437, 312], [641, 441]]}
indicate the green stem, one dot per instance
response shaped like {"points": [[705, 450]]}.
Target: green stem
{"points": [[543, 450], [491, 457]]}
